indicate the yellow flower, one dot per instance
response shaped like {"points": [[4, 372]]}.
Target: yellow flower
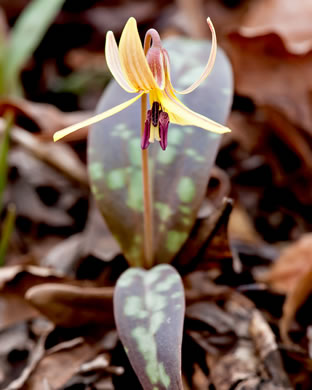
{"points": [[147, 71]]}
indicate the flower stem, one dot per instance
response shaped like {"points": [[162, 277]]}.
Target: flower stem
{"points": [[147, 196]]}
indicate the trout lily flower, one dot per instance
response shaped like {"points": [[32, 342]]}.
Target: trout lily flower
{"points": [[147, 71]]}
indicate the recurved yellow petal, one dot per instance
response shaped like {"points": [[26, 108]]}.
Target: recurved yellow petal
{"points": [[97, 118], [182, 115], [114, 65], [133, 60], [208, 67]]}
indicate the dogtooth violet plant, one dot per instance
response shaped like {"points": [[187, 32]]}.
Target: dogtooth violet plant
{"points": [[149, 305], [147, 71]]}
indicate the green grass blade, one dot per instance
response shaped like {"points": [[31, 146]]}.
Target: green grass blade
{"points": [[4, 150], [6, 232], [26, 35]]}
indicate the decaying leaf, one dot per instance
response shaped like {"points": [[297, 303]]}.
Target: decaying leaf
{"points": [[149, 314], [207, 241], [36, 356], [73, 306], [96, 240], [284, 18], [181, 173], [291, 274], [294, 300], [269, 75], [59, 156], [14, 282], [294, 262], [254, 362], [57, 368], [21, 277], [44, 118]]}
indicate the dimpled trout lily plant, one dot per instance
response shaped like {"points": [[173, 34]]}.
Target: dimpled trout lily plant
{"points": [[149, 304]]}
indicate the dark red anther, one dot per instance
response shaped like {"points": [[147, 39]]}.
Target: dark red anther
{"points": [[155, 113], [147, 127], [163, 129]]}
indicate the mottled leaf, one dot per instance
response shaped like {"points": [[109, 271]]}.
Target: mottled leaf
{"points": [[181, 172], [149, 313]]}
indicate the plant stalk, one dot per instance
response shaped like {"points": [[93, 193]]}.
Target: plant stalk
{"points": [[6, 232], [147, 196]]}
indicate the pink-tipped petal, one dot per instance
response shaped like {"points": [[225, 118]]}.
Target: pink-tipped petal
{"points": [[114, 65]]}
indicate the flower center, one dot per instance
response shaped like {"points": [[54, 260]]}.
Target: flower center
{"points": [[156, 127]]}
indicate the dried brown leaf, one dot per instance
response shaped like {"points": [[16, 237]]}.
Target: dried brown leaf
{"points": [[58, 155], [29, 205], [268, 74], [34, 360], [286, 18], [293, 263], [254, 361], [45, 117], [73, 306], [294, 300], [60, 366], [292, 275]]}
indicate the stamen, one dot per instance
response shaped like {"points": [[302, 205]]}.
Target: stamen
{"points": [[147, 129], [163, 129], [155, 113], [152, 134]]}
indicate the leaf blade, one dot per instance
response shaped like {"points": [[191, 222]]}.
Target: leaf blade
{"points": [[27, 33], [149, 313]]}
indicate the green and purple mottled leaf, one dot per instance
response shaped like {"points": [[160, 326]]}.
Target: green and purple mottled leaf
{"points": [[149, 311], [181, 172]]}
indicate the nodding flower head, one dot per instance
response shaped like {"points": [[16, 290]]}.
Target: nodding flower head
{"points": [[147, 71]]}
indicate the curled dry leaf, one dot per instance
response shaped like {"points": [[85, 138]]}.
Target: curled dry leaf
{"points": [[253, 132], [268, 74], [14, 282], [29, 205], [255, 347], [59, 156], [294, 300], [96, 240], [292, 22], [294, 262], [73, 306], [59, 367], [22, 310], [19, 277], [45, 118], [292, 275], [36, 355]]}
